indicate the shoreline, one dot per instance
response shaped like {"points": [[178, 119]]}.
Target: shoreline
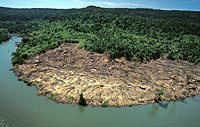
{"points": [[65, 73]]}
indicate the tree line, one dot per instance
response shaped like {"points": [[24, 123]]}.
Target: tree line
{"points": [[136, 34]]}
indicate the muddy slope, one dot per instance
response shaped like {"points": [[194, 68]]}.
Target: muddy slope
{"points": [[66, 72]]}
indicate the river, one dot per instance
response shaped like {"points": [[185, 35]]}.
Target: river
{"points": [[21, 107]]}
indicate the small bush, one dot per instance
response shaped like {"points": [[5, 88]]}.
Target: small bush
{"points": [[159, 93], [82, 101]]}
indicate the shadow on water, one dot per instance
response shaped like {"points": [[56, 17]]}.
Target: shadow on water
{"points": [[163, 104], [156, 107], [154, 110], [81, 108], [195, 99], [183, 101]]}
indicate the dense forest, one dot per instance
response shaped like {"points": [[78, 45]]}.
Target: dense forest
{"points": [[136, 34], [4, 35]]}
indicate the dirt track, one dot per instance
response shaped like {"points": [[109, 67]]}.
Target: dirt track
{"points": [[66, 72]]}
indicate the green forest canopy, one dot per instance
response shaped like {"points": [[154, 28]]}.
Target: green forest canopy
{"points": [[136, 34], [4, 35]]}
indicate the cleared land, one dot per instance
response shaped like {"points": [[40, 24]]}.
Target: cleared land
{"points": [[66, 72]]}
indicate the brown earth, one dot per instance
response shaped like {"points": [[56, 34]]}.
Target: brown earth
{"points": [[66, 72]]}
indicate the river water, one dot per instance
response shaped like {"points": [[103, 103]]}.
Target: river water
{"points": [[21, 107]]}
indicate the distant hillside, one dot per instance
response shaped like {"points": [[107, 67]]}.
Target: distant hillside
{"points": [[24, 14]]}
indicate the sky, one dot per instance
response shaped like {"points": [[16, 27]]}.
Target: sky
{"points": [[64, 4]]}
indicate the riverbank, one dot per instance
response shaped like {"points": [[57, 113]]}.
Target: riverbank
{"points": [[64, 73]]}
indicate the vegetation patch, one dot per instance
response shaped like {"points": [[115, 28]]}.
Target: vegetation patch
{"points": [[159, 92], [39, 85], [82, 101], [71, 99], [105, 104], [4, 35], [51, 96]]}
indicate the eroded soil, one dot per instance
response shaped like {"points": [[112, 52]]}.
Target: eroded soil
{"points": [[66, 72]]}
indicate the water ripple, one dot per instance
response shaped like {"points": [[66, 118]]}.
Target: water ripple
{"points": [[4, 122]]}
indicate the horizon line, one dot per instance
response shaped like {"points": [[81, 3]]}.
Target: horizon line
{"points": [[162, 9]]}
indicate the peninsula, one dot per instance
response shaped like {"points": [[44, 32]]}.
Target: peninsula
{"points": [[105, 56]]}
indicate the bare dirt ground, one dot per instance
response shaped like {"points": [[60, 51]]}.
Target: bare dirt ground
{"points": [[64, 73]]}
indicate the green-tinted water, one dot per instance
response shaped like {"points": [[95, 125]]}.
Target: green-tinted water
{"points": [[20, 107]]}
